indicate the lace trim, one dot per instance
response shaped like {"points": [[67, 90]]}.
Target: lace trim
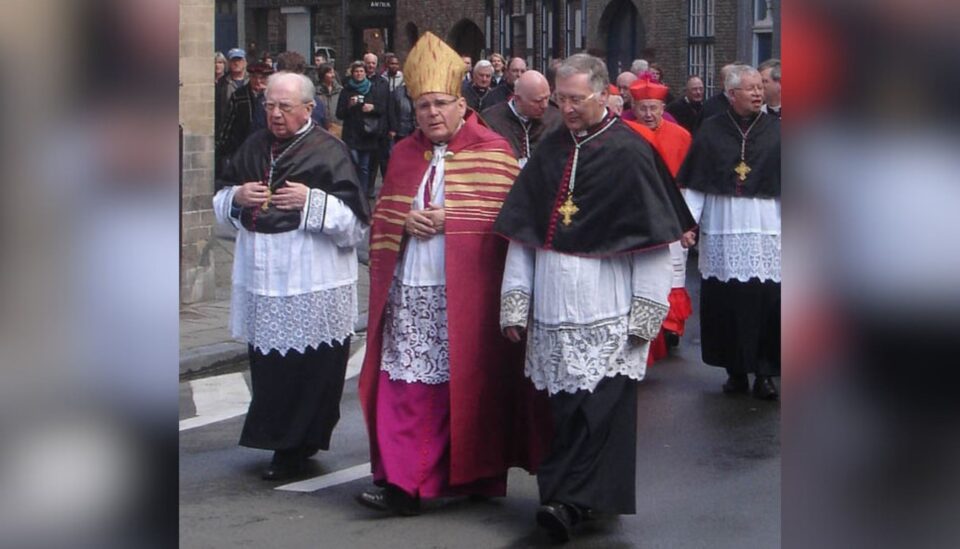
{"points": [[514, 309], [316, 210], [295, 322], [415, 342], [646, 317], [576, 358], [740, 256]]}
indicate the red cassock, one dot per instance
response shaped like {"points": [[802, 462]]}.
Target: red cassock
{"points": [[497, 418], [672, 142]]}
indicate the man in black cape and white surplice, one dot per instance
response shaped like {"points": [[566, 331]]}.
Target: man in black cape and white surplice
{"points": [[590, 219], [292, 193]]}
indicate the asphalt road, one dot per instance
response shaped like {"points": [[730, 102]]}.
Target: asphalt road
{"points": [[708, 475]]}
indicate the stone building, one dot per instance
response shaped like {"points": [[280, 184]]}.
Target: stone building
{"points": [[197, 275]]}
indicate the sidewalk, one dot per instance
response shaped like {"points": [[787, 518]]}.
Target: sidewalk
{"points": [[205, 341]]}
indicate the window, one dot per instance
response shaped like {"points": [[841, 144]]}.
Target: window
{"points": [[700, 42], [574, 18], [762, 31], [488, 26], [506, 28], [547, 37]]}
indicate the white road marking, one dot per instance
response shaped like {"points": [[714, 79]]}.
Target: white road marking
{"points": [[325, 481], [227, 396], [356, 361], [218, 398]]}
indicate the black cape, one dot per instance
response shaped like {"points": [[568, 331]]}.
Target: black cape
{"points": [[319, 161], [628, 201], [715, 153]]}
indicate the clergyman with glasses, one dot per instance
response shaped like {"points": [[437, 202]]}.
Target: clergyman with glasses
{"points": [[448, 410], [292, 194], [590, 220]]}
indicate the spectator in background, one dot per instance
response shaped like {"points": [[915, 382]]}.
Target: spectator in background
{"points": [[468, 63], [328, 90], [402, 117], [268, 59], [498, 68], [688, 110], [515, 69], [624, 80], [638, 66], [362, 106], [245, 105], [657, 74], [770, 73], [235, 78], [219, 66], [719, 103]]}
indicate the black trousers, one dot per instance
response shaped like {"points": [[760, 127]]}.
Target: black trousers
{"points": [[593, 457], [740, 325], [296, 398]]}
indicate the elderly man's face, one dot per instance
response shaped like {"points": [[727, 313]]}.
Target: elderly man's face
{"points": [[439, 115], [370, 63], [517, 67], [286, 110], [694, 91], [482, 77], [649, 112], [581, 106], [623, 83], [748, 96]]}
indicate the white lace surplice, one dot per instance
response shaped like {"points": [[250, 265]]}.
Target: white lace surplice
{"points": [[295, 289], [415, 341], [579, 312], [739, 236]]}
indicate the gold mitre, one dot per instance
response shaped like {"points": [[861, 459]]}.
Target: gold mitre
{"points": [[433, 67]]}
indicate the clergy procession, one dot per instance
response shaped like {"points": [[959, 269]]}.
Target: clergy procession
{"points": [[528, 237]]}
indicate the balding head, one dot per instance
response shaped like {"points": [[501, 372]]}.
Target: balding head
{"points": [[623, 82], [289, 103], [532, 94]]}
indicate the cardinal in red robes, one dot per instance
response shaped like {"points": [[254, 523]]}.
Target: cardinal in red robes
{"points": [[672, 142], [447, 406]]}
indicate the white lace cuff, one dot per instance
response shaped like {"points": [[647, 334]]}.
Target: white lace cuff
{"points": [[514, 309], [315, 210], [646, 317]]}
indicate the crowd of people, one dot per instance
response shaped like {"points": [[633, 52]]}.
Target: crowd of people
{"points": [[528, 252]]}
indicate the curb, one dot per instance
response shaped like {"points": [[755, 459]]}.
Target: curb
{"points": [[207, 357]]}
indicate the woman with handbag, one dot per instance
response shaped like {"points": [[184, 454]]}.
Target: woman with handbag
{"points": [[362, 106]]}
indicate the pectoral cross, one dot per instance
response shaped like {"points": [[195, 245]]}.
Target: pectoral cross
{"points": [[742, 170], [568, 210]]}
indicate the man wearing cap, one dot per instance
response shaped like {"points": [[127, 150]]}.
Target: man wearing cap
{"points": [[732, 180], [245, 105], [672, 142], [293, 196], [586, 281], [526, 117], [234, 79], [446, 405]]}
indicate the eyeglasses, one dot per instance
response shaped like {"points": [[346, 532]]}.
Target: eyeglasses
{"points": [[284, 107], [438, 104], [575, 101]]}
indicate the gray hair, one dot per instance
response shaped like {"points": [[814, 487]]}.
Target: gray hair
{"points": [[735, 75], [774, 66], [583, 63], [482, 64], [308, 92], [639, 65]]}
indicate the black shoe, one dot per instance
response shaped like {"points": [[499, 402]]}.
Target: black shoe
{"points": [[673, 340], [285, 464], [557, 519], [765, 389], [736, 383], [390, 499]]}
